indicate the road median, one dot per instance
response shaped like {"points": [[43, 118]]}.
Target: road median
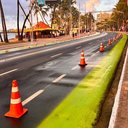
{"points": [[81, 107]]}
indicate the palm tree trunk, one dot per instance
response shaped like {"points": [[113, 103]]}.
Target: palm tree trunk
{"points": [[43, 18], [45, 21], [1, 38], [24, 12], [22, 31], [53, 15], [26, 18], [3, 23], [18, 29], [37, 18]]}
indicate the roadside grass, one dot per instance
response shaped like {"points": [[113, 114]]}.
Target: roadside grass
{"points": [[106, 107], [81, 107]]}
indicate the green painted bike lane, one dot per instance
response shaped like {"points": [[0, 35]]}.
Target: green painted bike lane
{"points": [[81, 107]]}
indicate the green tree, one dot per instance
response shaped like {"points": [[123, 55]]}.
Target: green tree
{"points": [[120, 13], [87, 20], [64, 14]]}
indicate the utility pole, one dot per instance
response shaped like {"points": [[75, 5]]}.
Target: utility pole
{"points": [[86, 18], [71, 29]]}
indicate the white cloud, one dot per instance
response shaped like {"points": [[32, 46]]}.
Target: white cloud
{"points": [[10, 8]]}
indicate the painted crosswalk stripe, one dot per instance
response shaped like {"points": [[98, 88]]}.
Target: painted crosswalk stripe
{"points": [[59, 78], [32, 97]]}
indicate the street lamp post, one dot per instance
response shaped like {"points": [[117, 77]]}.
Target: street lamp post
{"points": [[30, 5], [79, 20], [71, 28]]}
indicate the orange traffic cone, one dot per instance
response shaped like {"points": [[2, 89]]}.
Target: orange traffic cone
{"points": [[101, 48], [109, 42], [82, 59], [16, 108]]}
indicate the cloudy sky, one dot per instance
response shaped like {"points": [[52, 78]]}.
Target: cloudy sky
{"points": [[85, 5]]}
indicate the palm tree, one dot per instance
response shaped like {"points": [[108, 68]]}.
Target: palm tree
{"points": [[53, 6], [40, 10], [3, 24], [63, 11], [20, 34]]}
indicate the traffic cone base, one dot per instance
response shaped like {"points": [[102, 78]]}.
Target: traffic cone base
{"points": [[82, 65], [101, 49], [13, 115]]}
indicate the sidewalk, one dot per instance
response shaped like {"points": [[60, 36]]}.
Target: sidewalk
{"points": [[39, 42], [122, 113], [119, 116]]}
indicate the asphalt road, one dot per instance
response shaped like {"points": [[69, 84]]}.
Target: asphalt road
{"points": [[48, 74]]}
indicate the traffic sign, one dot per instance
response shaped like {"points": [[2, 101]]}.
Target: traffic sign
{"points": [[41, 2]]}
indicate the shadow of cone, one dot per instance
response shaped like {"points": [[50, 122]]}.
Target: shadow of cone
{"points": [[16, 108], [114, 39], [109, 42], [101, 48], [82, 60]]}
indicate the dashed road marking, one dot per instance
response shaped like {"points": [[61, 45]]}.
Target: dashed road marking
{"points": [[2, 74], [56, 55], [94, 54], [59, 78], [32, 97], [74, 68], [50, 49], [78, 47]]}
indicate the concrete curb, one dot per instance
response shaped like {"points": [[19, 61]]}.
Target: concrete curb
{"points": [[117, 98]]}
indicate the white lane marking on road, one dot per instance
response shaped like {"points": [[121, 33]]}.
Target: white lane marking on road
{"points": [[50, 49], [8, 72], [2, 60], [74, 68], [78, 47], [32, 97], [94, 54], [59, 78], [56, 55]]}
